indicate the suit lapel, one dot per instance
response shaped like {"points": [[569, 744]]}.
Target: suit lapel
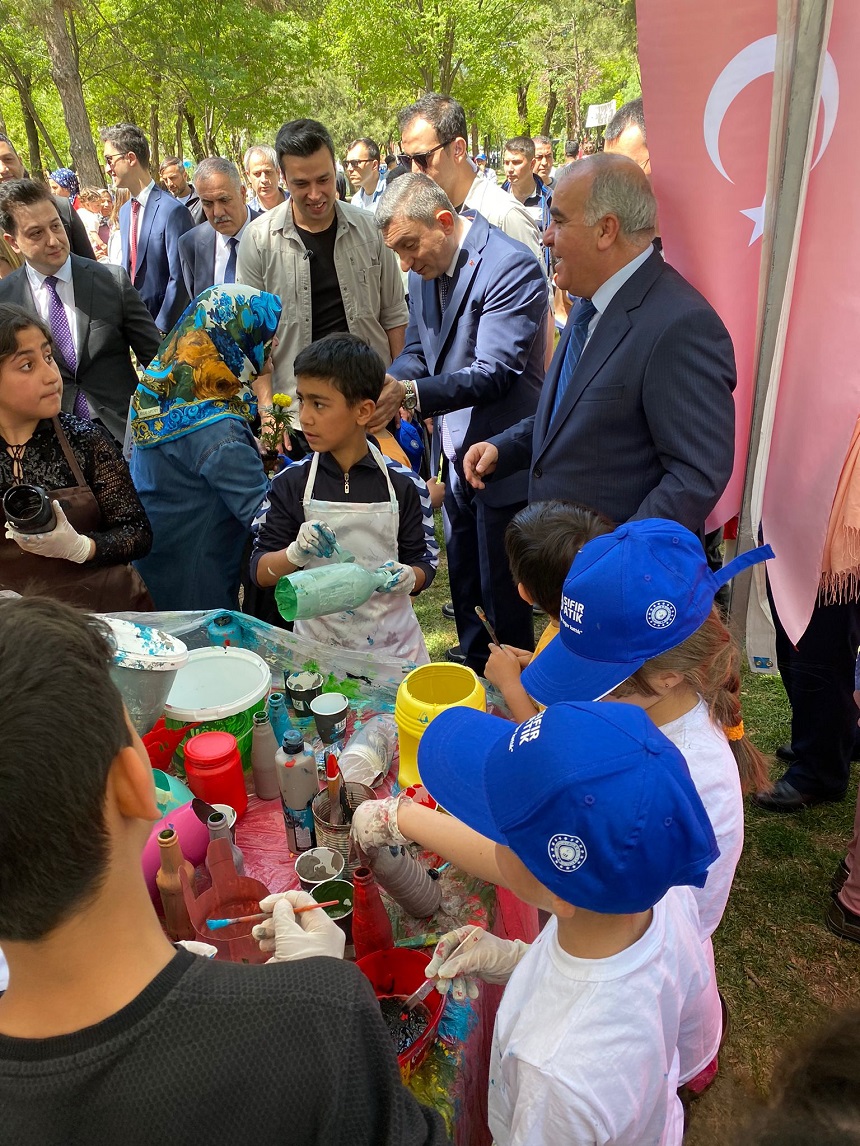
{"points": [[429, 322], [207, 246]]}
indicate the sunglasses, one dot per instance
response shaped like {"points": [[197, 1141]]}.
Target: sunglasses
{"points": [[421, 160], [355, 162]]}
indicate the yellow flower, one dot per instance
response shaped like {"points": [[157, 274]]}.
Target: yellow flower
{"points": [[281, 400]]}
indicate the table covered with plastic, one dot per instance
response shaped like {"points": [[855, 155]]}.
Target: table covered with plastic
{"points": [[454, 1076]]}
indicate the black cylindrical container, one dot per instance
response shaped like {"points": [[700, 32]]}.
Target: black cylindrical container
{"points": [[28, 509]]}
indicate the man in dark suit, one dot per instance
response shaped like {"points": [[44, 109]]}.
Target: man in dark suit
{"points": [[208, 253], [95, 314], [636, 417], [473, 358], [11, 167], [150, 226]]}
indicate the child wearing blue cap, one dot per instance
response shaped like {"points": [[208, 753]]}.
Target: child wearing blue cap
{"points": [[541, 541], [594, 818]]}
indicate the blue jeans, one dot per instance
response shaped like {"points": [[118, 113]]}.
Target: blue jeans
{"points": [[201, 493]]}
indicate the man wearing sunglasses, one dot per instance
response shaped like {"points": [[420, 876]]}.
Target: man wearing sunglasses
{"points": [[362, 171], [434, 138]]}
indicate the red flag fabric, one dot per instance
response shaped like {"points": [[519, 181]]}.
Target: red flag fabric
{"points": [[707, 83]]}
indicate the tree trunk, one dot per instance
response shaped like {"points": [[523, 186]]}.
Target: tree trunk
{"points": [[67, 77], [154, 141], [180, 119], [475, 138], [523, 108], [3, 123], [551, 105], [196, 146], [32, 132]]}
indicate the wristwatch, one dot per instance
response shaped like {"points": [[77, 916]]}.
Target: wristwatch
{"points": [[410, 395]]}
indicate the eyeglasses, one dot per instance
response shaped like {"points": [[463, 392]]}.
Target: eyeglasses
{"points": [[355, 162], [110, 160], [421, 160]]}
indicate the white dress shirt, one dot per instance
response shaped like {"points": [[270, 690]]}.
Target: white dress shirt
{"points": [[66, 291], [604, 294], [141, 198], [222, 249]]}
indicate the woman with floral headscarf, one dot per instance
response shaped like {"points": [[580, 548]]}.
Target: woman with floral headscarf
{"points": [[196, 464], [65, 185]]}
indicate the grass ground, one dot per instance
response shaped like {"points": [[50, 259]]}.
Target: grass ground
{"points": [[779, 968]]}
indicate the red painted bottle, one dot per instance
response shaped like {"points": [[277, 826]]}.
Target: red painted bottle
{"points": [[371, 927]]}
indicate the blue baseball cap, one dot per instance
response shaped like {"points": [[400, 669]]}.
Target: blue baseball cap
{"points": [[591, 797], [629, 596]]}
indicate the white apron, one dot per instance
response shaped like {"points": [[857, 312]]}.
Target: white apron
{"points": [[386, 624]]}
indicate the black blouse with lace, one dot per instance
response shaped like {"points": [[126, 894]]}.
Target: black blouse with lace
{"points": [[125, 533]]}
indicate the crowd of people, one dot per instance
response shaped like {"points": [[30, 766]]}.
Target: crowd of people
{"points": [[518, 355]]}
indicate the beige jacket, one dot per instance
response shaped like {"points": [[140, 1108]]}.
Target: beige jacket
{"points": [[504, 212], [272, 257]]}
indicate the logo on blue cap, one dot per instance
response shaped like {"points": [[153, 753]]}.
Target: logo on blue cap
{"points": [[661, 614], [567, 853]]}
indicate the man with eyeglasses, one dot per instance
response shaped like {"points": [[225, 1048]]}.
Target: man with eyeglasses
{"points": [[11, 167], [150, 226], [362, 171], [434, 138], [324, 259]]}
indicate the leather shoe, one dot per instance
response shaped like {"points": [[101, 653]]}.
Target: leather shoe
{"points": [[456, 655], [784, 797], [842, 922], [838, 878], [785, 753], [448, 610]]}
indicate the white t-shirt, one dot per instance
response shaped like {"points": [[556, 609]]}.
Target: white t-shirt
{"points": [[588, 1052], [714, 771]]}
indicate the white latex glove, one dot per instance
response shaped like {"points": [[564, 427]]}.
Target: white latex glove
{"points": [[374, 823], [315, 539], [488, 958], [401, 578], [292, 936], [63, 541], [198, 948]]}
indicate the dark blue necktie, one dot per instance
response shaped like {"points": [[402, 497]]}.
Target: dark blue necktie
{"points": [[579, 320], [230, 269]]}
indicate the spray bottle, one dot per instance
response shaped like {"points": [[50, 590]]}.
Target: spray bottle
{"points": [[297, 778]]}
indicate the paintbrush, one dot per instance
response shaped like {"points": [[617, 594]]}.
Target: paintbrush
{"points": [[482, 617], [427, 986], [333, 784], [217, 924]]}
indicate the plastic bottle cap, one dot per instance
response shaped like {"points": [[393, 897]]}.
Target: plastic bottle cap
{"points": [[293, 740], [210, 748]]}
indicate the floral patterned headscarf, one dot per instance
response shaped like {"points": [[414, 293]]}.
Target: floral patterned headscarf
{"points": [[66, 178], [204, 368]]}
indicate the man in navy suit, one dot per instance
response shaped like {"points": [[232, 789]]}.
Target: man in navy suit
{"points": [[208, 253], [636, 417], [150, 226], [473, 358]]}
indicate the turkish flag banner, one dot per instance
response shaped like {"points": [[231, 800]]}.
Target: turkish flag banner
{"points": [[707, 85], [819, 385]]}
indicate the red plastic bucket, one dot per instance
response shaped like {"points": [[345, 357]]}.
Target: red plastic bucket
{"points": [[399, 971]]}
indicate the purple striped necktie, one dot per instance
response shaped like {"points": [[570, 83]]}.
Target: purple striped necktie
{"points": [[62, 335]]}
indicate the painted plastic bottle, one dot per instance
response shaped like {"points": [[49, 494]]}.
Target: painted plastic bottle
{"points": [[264, 749], [407, 881], [326, 589], [223, 632], [176, 919], [219, 830], [279, 717], [371, 927], [298, 781]]}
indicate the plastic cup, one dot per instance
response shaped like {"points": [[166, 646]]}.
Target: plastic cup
{"points": [[329, 711], [319, 865], [303, 687], [343, 891]]}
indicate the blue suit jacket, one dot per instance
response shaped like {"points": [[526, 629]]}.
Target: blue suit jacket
{"points": [[197, 256], [158, 276], [481, 363], [646, 426]]}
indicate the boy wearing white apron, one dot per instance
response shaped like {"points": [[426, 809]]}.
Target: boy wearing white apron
{"points": [[347, 495]]}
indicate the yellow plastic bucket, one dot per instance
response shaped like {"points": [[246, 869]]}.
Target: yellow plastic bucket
{"points": [[423, 694]]}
